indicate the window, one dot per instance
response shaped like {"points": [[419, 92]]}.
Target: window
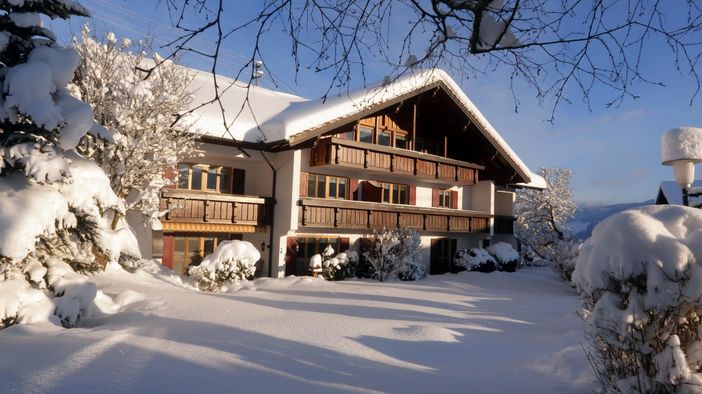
{"points": [[204, 178], [445, 199], [384, 138], [346, 136], [325, 186], [400, 140], [394, 194], [188, 249], [365, 134], [308, 247], [183, 176]]}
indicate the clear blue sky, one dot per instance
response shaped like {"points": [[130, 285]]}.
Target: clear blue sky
{"points": [[614, 152]]}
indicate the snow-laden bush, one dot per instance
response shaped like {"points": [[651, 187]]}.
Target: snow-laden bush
{"points": [[640, 275], [332, 267], [564, 255], [474, 259], [393, 254], [506, 257], [232, 261]]}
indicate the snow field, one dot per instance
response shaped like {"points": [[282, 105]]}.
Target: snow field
{"points": [[470, 332]]}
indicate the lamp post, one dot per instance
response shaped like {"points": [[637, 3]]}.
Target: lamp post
{"points": [[682, 148]]}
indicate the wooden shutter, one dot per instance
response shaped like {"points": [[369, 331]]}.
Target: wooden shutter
{"points": [[454, 199], [413, 195], [303, 184], [168, 243], [344, 244], [238, 181], [353, 189], [435, 198], [291, 256]]}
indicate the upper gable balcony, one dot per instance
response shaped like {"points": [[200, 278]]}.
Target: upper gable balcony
{"points": [[333, 151]]}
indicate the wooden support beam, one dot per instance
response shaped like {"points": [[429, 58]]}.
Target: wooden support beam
{"points": [[414, 127]]}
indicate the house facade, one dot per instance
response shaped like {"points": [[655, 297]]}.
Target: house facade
{"points": [[293, 175]]}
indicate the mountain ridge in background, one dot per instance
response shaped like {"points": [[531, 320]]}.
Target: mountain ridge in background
{"points": [[587, 217]]}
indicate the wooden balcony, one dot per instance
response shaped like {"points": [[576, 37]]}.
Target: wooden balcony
{"points": [[323, 213], [189, 206], [354, 154]]}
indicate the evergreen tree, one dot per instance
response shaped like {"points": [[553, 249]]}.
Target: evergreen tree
{"points": [[56, 205]]}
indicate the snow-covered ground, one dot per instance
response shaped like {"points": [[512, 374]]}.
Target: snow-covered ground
{"points": [[471, 332]]}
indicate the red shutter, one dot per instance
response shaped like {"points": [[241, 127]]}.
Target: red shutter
{"points": [[344, 244], [168, 243], [435, 198], [238, 181], [353, 189], [413, 195], [291, 256], [303, 184], [454, 199]]}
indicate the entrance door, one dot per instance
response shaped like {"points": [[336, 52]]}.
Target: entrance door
{"points": [[442, 252]]}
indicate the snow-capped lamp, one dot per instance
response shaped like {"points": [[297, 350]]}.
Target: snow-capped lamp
{"points": [[682, 148]]}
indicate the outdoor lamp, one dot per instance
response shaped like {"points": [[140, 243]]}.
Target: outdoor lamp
{"points": [[682, 148]]}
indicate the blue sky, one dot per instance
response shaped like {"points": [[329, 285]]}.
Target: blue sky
{"points": [[613, 152]]}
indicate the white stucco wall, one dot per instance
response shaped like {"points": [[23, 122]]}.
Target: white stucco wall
{"points": [[504, 202]]}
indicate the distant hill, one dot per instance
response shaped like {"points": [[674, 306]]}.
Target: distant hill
{"points": [[586, 218]]}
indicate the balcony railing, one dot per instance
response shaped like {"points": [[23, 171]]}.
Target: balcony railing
{"points": [[368, 215], [188, 206], [354, 154]]}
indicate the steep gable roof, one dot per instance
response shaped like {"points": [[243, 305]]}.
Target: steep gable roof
{"points": [[274, 116]]}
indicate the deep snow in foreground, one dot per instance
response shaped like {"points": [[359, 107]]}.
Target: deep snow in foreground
{"points": [[471, 332]]}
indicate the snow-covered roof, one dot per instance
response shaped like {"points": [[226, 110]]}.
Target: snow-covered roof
{"points": [[275, 116], [537, 182], [673, 194], [243, 117]]}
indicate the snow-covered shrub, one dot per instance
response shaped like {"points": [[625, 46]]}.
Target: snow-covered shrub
{"points": [[332, 267], [564, 255], [506, 257], [474, 259], [640, 275], [393, 254], [57, 209], [232, 261]]}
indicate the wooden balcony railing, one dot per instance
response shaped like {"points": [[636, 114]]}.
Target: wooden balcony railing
{"points": [[354, 154], [322, 213], [188, 206]]}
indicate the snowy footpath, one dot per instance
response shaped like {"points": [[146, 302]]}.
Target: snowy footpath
{"points": [[465, 333]]}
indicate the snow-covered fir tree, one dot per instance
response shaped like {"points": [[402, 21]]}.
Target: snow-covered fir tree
{"points": [[57, 206], [542, 214], [142, 107]]}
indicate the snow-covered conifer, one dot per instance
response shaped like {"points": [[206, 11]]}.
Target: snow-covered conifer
{"points": [[142, 107], [56, 205]]}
